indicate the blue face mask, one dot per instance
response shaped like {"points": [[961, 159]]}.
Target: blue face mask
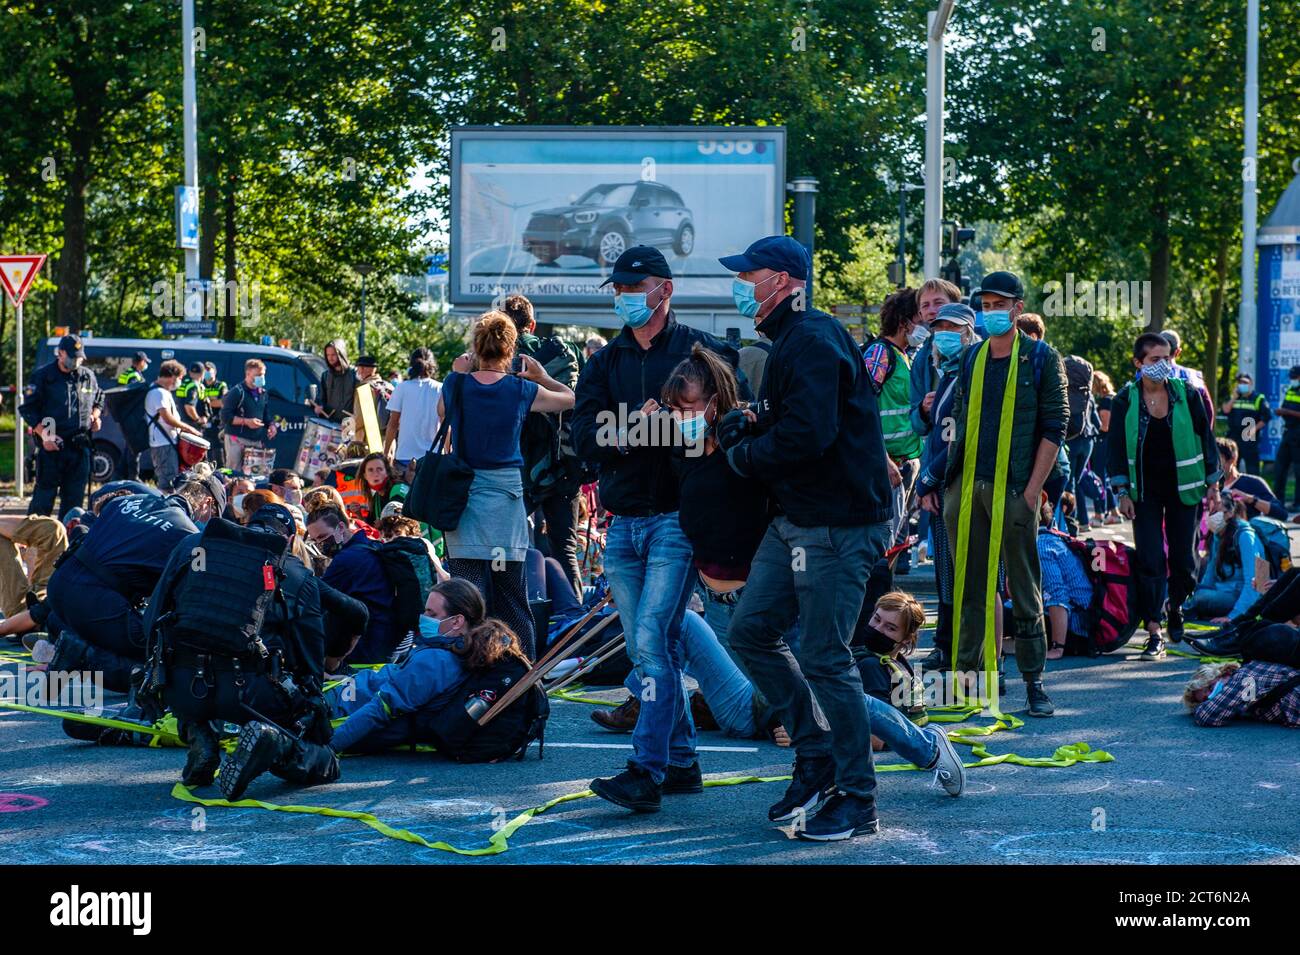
{"points": [[949, 344], [259, 381], [631, 307], [430, 628], [1160, 370], [997, 323], [745, 295]]}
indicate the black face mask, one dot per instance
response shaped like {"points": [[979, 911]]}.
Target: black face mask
{"points": [[329, 547], [877, 642]]}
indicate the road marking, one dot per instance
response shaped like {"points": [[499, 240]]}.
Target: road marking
{"points": [[701, 749]]}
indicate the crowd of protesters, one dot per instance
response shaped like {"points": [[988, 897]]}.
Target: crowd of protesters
{"points": [[751, 512]]}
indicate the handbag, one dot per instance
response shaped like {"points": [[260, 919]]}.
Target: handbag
{"points": [[440, 489]]}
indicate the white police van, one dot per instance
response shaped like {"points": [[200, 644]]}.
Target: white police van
{"points": [[291, 378]]}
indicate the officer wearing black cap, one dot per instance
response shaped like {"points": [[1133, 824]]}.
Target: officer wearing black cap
{"points": [[62, 404], [1288, 449], [135, 374], [191, 397], [95, 594], [275, 688], [816, 442], [647, 557]]}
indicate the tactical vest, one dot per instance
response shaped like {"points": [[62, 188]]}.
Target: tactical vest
{"points": [[1189, 456], [901, 441], [1291, 402], [129, 377]]}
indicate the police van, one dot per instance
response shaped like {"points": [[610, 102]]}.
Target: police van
{"points": [[292, 378]]}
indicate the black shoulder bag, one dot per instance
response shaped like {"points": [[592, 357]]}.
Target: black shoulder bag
{"points": [[440, 488]]}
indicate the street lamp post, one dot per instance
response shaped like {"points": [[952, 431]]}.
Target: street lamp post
{"points": [[189, 112], [937, 24], [1246, 317], [363, 271]]}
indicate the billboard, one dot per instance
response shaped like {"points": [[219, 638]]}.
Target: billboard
{"points": [[545, 210]]}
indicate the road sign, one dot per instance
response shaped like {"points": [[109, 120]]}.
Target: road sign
{"points": [[206, 327], [187, 217], [17, 273]]}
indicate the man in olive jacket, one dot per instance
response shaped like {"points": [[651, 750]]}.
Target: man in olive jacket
{"points": [[1038, 423]]}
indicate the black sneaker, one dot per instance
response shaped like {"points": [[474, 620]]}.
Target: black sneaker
{"points": [[257, 751], [202, 760], [1174, 626], [632, 789], [1040, 704], [812, 782], [842, 817], [683, 780], [1226, 644], [1155, 649]]}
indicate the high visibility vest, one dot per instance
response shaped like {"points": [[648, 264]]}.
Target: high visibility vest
{"points": [[129, 377], [214, 390], [901, 441], [1291, 402], [1189, 455]]}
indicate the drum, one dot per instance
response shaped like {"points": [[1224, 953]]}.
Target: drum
{"points": [[258, 461], [191, 448]]}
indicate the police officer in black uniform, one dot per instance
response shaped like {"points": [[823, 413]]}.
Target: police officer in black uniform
{"points": [[95, 595], [62, 403], [277, 694]]}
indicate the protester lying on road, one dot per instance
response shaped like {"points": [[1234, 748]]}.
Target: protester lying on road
{"points": [[1218, 693]]}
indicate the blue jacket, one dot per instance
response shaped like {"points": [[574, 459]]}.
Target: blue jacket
{"points": [[925, 379], [1241, 578], [934, 456], [426, 681], [358, 571]]}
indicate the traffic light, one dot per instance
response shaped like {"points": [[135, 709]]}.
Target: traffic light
{"points": [[897, 273], [954, 237]]}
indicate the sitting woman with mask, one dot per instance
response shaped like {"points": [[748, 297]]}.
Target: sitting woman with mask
{"points": [[394, 705], [1227, 587]]}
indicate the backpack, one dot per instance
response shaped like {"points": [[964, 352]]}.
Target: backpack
{"points": [[219, 605], [1114, 592], [1078, 391], [458, 736], [126, 405], [410, 574], [544, 443], [1276, 538]]}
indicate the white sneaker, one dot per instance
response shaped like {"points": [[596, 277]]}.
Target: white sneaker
{"points": [[948, 770], [42, 651]]}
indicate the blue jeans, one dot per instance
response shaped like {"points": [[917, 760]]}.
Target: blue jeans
{"points": [[648, 564], [1080, 451], [728, 692]]}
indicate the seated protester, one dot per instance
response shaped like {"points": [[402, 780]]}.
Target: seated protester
{"points": [[95, 593], [33, 541], [205, 677], [327, 495], [1252, 491], [890, 631], [1227, 585], [357, 570], [1067, 591], [1267, 630], [393, 706], [394, 525], [1068, 506], [881, 643], [379, 485], [286, 483], [1218, 693]]}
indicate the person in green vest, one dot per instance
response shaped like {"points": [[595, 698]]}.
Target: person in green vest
{"points": [[135, 374], [1288, 449], [1162, 459], [1248, 412], [214, 391], [887, 363]]}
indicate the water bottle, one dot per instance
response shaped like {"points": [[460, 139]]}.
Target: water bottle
{"points": [[480, 703]]}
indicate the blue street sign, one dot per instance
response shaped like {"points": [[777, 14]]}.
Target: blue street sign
{"points": [[206, 327], [187, 217]]}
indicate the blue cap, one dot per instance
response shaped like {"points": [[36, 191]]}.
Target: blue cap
{"points": [[781, 253], [957, 313]]}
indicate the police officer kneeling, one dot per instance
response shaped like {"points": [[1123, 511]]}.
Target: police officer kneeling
{"points": [[239, 637]]}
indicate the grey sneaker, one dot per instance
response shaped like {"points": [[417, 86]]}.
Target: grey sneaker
{"points": [[948, 769], [1155, 649]]}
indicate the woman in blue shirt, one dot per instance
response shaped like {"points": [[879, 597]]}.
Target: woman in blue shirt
{"points": [[1227, 587], [487, 408]]}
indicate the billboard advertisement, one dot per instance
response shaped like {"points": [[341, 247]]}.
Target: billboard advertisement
{"points": [[545, 211]]}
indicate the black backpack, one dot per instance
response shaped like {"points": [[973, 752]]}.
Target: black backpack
{"points": [[219, 604], [410, 574], [1078, 391], [550, 465], [458, 736]]}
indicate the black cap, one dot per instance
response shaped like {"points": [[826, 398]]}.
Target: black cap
{"points": [[211, 482], [367, 361], [1006, 284], [636, 263], [274, 517], [198, 366], [71, 344], [141, 356]]}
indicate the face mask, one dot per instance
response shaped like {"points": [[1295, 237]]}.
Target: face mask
{"points": [[1158, 371], [997, 323], [693, 429], [917, 336], [1295, 381], [259, 381], [1243, 390], [948, 344], [1215, 692], [330, 546], [631, 307], [877, 642], [1216, 522], [292, 495], [430, 628], [744, 294]]}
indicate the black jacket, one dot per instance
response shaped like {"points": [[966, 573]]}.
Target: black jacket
{"points": [[131, 540], [820, 447], [616, 382], [67, 397]]}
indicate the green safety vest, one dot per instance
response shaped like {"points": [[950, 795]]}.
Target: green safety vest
{"points": [[1189, 456], [186, 388], [901, 441], [1291, 402], [129, 377], [215, 390]]}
